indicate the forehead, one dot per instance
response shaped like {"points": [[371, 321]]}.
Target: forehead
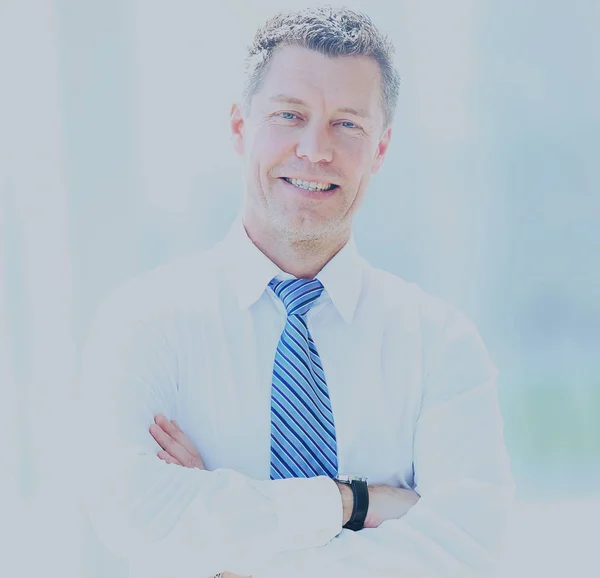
{"points": [[345, 81]]}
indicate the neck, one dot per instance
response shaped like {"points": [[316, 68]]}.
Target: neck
{"points": [[303, 259]]}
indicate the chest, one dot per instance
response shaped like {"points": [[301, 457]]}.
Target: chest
{"points": [[373, 373]]}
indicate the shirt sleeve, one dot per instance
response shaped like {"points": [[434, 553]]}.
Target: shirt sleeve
{"points": [[462, 474], [178, 521]]}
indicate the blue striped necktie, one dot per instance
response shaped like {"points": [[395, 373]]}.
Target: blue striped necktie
{"points": [[303, 441]]}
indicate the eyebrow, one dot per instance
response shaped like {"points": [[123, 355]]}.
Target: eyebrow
{"points": [[360, 112]]}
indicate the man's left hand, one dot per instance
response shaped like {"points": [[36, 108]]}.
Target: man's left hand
{"points": [[176, 446]]}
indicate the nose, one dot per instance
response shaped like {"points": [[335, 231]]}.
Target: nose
{"points": [[315, 145]]}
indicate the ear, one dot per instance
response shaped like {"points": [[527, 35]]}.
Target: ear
{"points": [[236, 120], [382, 148]]}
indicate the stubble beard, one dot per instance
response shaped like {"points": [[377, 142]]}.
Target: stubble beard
{"points": [[308, 231]]}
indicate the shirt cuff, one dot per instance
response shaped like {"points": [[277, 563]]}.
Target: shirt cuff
{"points": [[309, 511]]}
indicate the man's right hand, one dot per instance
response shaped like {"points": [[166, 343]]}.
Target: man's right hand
{"points": [[385, 503]]}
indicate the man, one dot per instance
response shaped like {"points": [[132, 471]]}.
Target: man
{"points": [[279, 361]]}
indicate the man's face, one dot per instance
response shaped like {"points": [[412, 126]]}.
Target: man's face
{"points": [[312, 139]]}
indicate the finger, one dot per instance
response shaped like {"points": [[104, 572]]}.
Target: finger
{"points": [[169, 426], [172, 428], [183, 449], [167, 443], [180, 437], [165, 457]]}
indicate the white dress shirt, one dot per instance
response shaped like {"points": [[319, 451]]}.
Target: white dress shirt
{"points": [[414, 399]]}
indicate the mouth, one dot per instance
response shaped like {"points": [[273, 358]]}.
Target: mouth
{"points": [[316, 186]]}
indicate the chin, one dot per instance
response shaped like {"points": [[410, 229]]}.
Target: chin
{"points": [[297, 229]]}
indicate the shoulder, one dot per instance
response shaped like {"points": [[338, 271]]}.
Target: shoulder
{"points": [[437, 322], [157, 294], [397, 295]]}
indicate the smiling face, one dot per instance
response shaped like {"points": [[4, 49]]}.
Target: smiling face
{"points": [[311, 140]]}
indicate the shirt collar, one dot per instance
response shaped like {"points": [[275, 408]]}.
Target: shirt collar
{"points": [[251, 270]]}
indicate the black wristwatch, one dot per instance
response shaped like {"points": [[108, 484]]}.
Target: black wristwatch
{"points": [[360, 491]]}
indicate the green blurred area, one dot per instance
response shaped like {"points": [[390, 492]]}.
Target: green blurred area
{"points": [[553, 437]]}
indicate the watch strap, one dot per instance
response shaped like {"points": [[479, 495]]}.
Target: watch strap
{"points": [[360, 492]]}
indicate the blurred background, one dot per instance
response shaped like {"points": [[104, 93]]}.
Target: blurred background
{"points": [[115, 157]]}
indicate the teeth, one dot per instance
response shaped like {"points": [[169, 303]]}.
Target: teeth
{"points": [[311, 186]]}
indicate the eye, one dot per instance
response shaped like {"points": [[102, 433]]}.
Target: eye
{"points": [[349, 124], [288, 115]]}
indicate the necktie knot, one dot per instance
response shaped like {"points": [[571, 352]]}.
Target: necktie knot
{"points": [[297, 295]]}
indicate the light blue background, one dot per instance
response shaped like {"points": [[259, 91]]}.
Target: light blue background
{"points": [[115, 156]]}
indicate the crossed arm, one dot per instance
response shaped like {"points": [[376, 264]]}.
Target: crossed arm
{"points": [[385, 502], [215, 520]]}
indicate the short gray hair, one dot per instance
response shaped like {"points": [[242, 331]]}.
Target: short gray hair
{"points": [[330, 31]]}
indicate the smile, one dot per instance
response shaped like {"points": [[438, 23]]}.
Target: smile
{"points": [[310, 185]]}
